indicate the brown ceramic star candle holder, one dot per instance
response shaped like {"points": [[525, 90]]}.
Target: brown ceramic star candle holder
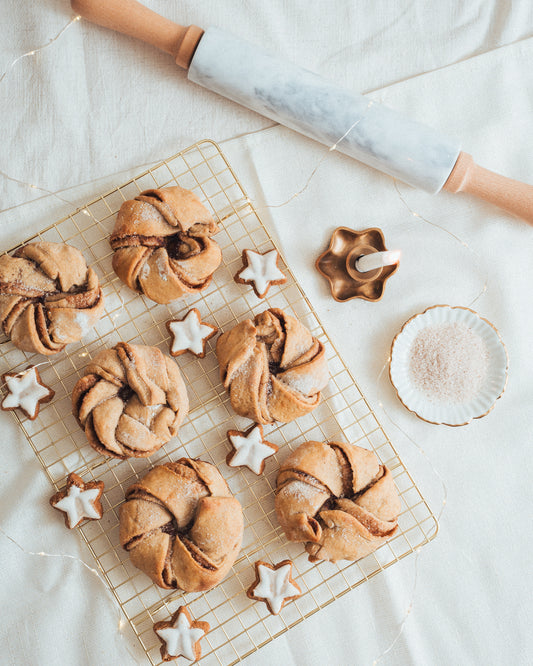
{"points": [[342, 263]]}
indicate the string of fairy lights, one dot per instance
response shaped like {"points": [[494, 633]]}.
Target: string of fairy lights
{"points": [[121, 622], [59, 194]]}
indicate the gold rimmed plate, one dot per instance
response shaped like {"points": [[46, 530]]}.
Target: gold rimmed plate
{"points": [[441, 412]]}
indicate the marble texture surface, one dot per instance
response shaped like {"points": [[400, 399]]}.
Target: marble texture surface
{"points": [[142, 109], [303, 101]]}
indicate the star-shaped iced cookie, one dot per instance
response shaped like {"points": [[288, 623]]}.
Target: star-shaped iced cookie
{"points": [[181, 636], [190, 334], [79, 500], [274, 585], [249, 449], [261, 271], [26, 391]]}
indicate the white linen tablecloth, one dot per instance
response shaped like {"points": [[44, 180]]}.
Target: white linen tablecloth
{"points": [[89, 109]]}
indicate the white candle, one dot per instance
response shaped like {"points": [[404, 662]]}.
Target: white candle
{"points": [[370, 262]]}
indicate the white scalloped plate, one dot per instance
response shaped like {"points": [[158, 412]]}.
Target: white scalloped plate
{"points": [[455, 414]]}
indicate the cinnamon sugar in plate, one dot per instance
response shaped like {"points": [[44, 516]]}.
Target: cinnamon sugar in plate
{"points": [[448, 362], [448, 365]]}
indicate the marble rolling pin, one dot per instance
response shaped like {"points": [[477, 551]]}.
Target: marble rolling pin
{"points": [[354, 125]]}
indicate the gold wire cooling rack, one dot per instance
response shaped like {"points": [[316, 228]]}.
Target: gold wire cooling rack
{"points": [[239, 626]]}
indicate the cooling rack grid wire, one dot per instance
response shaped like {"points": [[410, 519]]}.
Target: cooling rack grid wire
{"points": [[239, 626]]}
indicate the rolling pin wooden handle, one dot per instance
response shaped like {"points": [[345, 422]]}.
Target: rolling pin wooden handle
{"points": [[133, 19], [508, 194]]}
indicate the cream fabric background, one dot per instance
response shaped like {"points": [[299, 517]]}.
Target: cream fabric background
{"points": [[92, 107]]}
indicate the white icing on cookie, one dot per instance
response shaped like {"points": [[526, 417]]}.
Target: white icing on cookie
{"points": [[25, 392], [180, 638], [250, 450], [79, 504], [275, 586], [189, 334], [262, 269]]}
